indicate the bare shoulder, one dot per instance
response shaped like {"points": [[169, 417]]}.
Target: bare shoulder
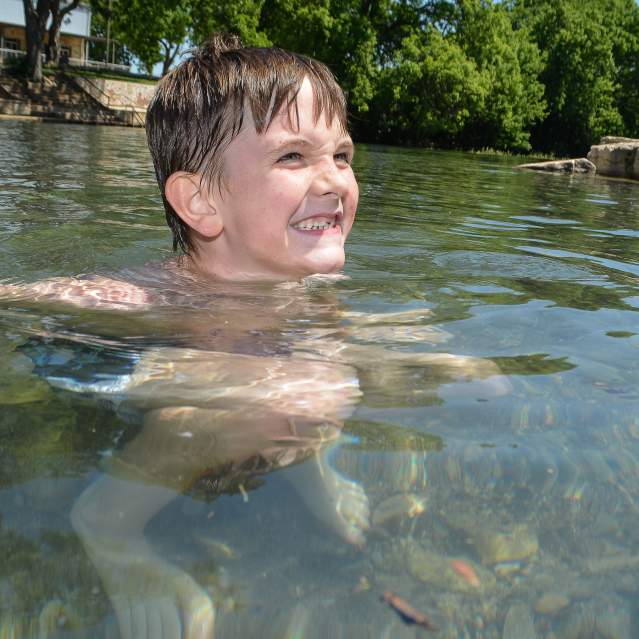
{"points": [[91, 292]]}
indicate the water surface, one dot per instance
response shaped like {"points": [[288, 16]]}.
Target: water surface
{"points": [[530, 480]]}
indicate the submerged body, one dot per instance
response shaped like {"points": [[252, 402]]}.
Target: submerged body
{"points": [[249, 389]]}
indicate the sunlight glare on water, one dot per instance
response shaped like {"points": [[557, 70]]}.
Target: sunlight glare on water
{"points": [[472, 385]]}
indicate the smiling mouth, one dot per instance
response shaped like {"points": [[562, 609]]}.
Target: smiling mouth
{"points": [[317, 224]]}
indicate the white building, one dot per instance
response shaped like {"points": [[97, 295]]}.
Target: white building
{"points": [[75, 34]]}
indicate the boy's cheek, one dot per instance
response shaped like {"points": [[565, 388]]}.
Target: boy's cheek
{"points": [[350, 211], [354, 196]]}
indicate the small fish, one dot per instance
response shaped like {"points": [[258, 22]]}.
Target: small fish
{"points": [[465, 571], [406, 612]]}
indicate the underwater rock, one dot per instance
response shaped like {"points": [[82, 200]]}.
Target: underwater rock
{"points": [[494, 547], [437, 570], [397, 508], [550, 603], [519, 623]]}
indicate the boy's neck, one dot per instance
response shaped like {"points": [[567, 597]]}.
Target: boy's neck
{"points": [[204, 265]]}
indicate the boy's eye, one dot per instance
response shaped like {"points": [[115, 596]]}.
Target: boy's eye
{"points": [[343, 157], [290, 157]]}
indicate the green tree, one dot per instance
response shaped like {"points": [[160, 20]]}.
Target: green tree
{"points": [[151, 30], [580, 75], [509, 65], [241, 17], [624, 23], [427, 95], [461, 77], [341, 33]]}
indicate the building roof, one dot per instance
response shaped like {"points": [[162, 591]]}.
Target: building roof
{"points": [[77, 22]]}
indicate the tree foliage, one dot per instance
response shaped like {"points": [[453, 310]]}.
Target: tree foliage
{"points": [[553, 75], [241, 17], [465, 78], [584, 44], [152, 30]]}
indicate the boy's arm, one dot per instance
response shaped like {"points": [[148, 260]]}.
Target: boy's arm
{"points": [[93, 292]]}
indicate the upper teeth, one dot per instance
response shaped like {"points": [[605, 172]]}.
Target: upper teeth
{"points": [[313, 225]]}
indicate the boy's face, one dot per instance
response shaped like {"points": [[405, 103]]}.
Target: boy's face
{"points": [[288, 198]]}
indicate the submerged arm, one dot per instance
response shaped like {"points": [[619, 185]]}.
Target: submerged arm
{"points": [[93, 292]]}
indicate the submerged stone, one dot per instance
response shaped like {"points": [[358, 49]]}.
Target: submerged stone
{"points": [[551, 603], [397, 508], [494, 547], [439, 572]]}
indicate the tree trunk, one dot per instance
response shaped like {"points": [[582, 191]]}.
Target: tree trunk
{"points": [[169, 56], [35, 19], [53, 50], [57, 16]]}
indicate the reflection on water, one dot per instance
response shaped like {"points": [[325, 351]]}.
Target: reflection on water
{"points": [[456, 423]]}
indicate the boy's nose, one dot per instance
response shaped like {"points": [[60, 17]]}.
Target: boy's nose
{"points": [[331, 180]]}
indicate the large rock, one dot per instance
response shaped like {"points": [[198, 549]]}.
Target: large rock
{"points": [[580, 165], [616, 157], [615, 139]]}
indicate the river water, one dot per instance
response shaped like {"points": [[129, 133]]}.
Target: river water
{"points": [[473, 384]]}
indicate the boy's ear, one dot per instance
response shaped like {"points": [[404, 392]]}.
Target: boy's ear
{"points": [[190, 201]]}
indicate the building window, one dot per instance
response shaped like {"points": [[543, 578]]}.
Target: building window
{"points": [[12, 44]]}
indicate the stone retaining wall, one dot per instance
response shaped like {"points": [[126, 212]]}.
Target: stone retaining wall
{"points": [[120, 93], [15, 107], [73, 98]]}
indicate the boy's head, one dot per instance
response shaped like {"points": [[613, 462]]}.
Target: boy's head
{"points": [[252, 155]]}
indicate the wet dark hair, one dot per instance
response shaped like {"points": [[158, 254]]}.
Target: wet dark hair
{"points": [[199, 107]]}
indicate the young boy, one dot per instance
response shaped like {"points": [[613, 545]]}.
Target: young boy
{"points": [[253, 158]]}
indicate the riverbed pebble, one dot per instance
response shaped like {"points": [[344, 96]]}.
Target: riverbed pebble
{"points": [[550, 603], [494, 547], [394, 509], [437, 570]]}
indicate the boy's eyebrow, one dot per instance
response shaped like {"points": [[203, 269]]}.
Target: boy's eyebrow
{"points": [[344, 142]]}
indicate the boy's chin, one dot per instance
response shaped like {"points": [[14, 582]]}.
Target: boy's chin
{"points": [[325, 263]]}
